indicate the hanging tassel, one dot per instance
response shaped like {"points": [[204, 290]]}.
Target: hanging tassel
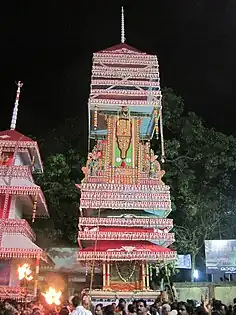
{"points": [[95, 118], [34, 207], [162, 139], [156, 123], [32, 163]]}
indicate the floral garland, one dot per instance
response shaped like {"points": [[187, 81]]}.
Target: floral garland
{"points": [[120, 275]]}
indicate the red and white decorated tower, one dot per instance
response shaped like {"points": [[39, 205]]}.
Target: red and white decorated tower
{"points": [[20, 198], [124, 202]]}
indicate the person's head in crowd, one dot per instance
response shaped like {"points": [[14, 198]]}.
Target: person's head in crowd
{"points": [[141, 307], [86, 302], [131, 308], [164, 296], [200, 310], [75, 301], [217, 305], [64, 311], [174, 306], [122, 304], [108, 310], [184, 308], [166, 309], [98, 309]]}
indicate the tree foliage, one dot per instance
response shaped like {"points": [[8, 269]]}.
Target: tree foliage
{"points": [[67, 136], [61, 173], [201, 171]]}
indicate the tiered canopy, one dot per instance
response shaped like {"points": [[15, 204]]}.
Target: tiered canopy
{"points": [[119, 196], [127, 221], [126, 250], [13, 140], [131, 234], [124, 76], [17, 240], [17, 179]]}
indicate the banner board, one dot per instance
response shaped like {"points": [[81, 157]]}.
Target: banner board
{"points": [[183, 262], [220, 256]]}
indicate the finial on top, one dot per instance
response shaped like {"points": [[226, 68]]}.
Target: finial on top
{"points": [[122, 26], [15, 110]]}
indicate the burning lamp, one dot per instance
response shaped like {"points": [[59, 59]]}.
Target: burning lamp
{"points": [[25, 275], [24, 272], [52, 296]]}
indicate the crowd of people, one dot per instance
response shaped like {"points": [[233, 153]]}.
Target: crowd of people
{"points": [[84, 306], [159, 307]]}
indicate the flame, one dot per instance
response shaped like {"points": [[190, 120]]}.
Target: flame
{"points": [[24, 272], [52, 296]]}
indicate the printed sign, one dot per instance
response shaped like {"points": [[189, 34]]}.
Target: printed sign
{"points": [[183, 262], [220, 256]]}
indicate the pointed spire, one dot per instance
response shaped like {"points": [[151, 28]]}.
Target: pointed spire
{"points": [[122, 26], [15, 110]]}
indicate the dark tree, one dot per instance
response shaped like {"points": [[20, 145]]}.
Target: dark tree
{"points": [[61, 173], [200, 165]]}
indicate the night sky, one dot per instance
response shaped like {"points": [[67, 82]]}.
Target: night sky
{"points": [[49, 44]]}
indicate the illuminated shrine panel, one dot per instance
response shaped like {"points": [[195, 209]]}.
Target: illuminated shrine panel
{"points": [[122, 142], [125, 276]]}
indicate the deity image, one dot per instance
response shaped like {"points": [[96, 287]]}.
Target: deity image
{"points": [[94, 162], [151, 164], [123, 136]]}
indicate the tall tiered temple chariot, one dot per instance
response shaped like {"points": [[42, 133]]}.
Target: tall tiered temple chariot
{"points": [[123, 225], [20, 199]]}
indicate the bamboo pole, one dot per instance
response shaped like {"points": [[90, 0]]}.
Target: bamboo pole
{"points": [[147, 276], [108, 274], [104, 274]]}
